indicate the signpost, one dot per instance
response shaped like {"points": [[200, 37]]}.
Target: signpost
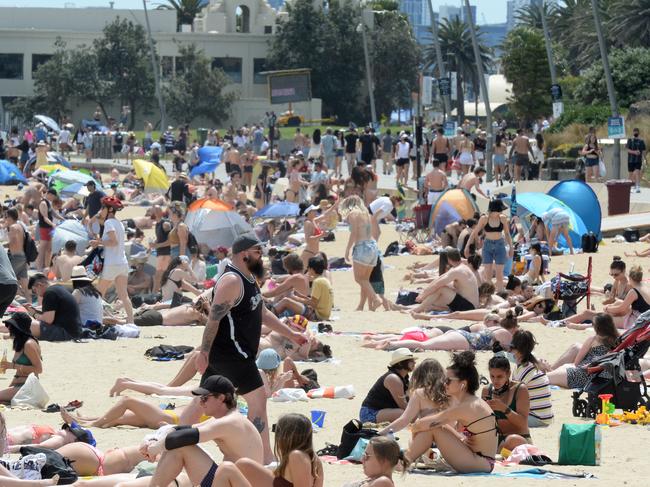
{"points": [[616, 127], [558, 109], [450, 128]]}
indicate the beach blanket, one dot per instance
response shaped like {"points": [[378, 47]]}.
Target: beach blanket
{"points": [[530, 473]]}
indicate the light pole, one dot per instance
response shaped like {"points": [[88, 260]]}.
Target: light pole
{"points": [[371, 95], [616, 160], [484, 91], [156, 71], [442, 72]]}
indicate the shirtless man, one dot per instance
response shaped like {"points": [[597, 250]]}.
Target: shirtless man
{"points": [[32, 194], [234, 159], [521, 147], [295, 182], [441, 147], [473, 180], [64, 262], [435, 182], [232, 188], [183, 315], [235, 436], [456, 290], [139, 281], [16, 251], [142, 222]]}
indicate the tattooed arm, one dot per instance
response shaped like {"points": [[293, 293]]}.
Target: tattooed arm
{"points": [[434, 420], [228, 289]]}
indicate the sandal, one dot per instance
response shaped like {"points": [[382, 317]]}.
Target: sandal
{"points": [[52, 408], [72, 405]]}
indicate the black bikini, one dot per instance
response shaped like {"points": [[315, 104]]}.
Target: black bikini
{"points": [[490, 228], [639, 304]]}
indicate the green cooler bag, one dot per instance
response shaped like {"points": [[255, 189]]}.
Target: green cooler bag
{"points": [[580, 444]]}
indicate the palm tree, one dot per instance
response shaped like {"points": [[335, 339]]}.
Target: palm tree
{"points": [[530, 15], [629, 22], [458, 55], [186, 10]]}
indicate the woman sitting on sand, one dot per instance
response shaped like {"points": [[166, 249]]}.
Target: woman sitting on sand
{"points": [[27, 355], [91, 307], [535, 274], [295, 280], [464, 340], [297, 464], [529, 373], [575, 376], [379, 461], [474, 449], [177, 278], [510, 403], [427, 396]]}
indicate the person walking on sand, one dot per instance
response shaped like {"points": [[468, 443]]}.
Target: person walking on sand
{"points": [[521, 148]]}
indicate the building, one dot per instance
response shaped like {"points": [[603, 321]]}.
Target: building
{"points": [[449, 12], [493, 35], [513, 7], [234, 33], [419, 15]]}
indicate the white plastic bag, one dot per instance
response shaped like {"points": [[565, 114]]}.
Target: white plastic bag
{"points": [[602, 169], [289, 395], [31, 394]]}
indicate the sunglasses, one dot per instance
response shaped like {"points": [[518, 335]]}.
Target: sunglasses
{"points": [[449, 380], [204, 399]]}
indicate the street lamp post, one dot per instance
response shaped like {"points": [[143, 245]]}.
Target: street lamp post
{"points": [[156, 71], [616, 160], [371, 92], [442, 72], [484, 91]]}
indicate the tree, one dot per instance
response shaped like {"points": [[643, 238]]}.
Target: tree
{"points": [[524, 65], [122, 56], [629, 22], [630, 72], [458, 54], [88, 82], [197, 91], [395, 71], [186, 10], [531, 16]]}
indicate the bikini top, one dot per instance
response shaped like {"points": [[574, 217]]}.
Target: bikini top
{"points": [[640, 304], [513, 404], [469, 433], [490, 228]]}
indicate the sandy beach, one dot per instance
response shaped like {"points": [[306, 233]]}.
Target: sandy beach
{"points": [[86, 371]]}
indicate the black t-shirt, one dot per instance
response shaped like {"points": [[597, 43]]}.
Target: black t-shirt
{"points": [[93, 202], [367, 144], [635, 143], [379, 397], [179, 190], [351, 143], [480, 144], [238, 337], [65, 307]]}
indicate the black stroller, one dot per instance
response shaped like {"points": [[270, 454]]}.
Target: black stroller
{"points": [[618, 373]]}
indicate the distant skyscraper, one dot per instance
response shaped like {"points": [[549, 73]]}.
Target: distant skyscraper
{"points": [[449, 12], [464, 14], [418, 15]]}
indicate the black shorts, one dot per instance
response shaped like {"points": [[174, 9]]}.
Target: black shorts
{"points": [[402, 162], [634, 166], [117, 148], [248, 169], [149, 317], [459, 303], [242, 373], [54, 333], [367, 158], [521, 160], [441, 157]]}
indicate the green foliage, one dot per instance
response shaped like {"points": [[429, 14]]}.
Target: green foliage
{"points": [[570, 88], [630, 72], [629, 22], [385, 5], [523, 49], [458, 55], [197, 91], [186, 10], [567, 150], [581, 114]]}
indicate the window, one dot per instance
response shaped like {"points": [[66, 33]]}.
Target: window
{"points": [[38, 59], [242, 19], [180, 69], [259, 65], [230, 65], [166, 67], [11, 66], [268, 29]]}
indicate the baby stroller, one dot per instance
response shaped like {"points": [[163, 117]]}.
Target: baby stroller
{"points": [[618, 373]]}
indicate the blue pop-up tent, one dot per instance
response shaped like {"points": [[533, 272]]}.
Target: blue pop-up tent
{"points": [[209, 159], [10, 174], [540, 203], [579, 196]]}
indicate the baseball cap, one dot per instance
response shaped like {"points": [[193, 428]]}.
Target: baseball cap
{"points": [[215, 384], [312, 208], [244, 242], [268, 360]]}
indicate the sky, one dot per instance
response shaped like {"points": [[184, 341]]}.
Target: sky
{"points": [[489, 11]]}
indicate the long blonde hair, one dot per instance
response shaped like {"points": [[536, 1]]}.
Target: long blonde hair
{"points": [[294, 432], [350, 204], [430, 376]]}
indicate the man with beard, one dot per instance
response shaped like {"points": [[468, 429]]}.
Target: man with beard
{"points": [[232, 335]]}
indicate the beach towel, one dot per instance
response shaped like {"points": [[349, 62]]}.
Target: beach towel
{"points": [[531, 473], [332, 392]]}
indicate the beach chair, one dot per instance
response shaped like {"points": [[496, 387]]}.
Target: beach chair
{"points": [[572, 288], [416, 228]]}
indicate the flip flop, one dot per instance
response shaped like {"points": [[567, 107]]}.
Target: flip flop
{"points": [[72, 405], [52, 408]]}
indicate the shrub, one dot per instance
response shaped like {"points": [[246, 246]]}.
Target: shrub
{"points": [[584, 115]]}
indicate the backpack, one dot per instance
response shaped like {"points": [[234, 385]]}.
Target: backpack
{"points": [[350, 436], [168, 352], [30, 249], [56, 464], [589, 243]]}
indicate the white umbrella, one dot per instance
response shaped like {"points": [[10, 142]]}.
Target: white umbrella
{"points": [[70, 230], [216, 228], [48, 122]]}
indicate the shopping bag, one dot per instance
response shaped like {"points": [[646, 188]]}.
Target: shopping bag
{"points": [[31, 394], [580, 444]]}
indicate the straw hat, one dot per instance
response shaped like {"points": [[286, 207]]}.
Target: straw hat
{"points": [[79, 274], [400, 355]]}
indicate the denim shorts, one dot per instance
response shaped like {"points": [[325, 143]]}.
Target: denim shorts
{"points": [[365, 252], [499, 160], [494, 251], [367, 415], [591, 161]]}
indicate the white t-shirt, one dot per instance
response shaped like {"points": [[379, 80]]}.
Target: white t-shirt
{"points": [[403, 150], [114, 255], [64, 136], [381, 207]]}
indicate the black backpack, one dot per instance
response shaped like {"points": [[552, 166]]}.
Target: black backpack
{"points": [[56, 464], [589, 243], [30, 249], [351, 434]]}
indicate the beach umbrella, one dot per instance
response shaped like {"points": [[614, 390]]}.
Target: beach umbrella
{"points": [[50, 168], [70, 177], [74, 189], [70, 230], [155, 179], [52, 158], [209, 159], [48, 122], [282, 209], [453, 205], [10, 174], [214, 223]]}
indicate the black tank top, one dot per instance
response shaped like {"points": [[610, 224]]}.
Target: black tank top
{"points": [[238, 337], [161, 236], [379, 397], [41, 221], [639, 304]]}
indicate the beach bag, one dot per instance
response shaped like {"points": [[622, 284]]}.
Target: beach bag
{"points": [[359, 449], [631, 235], [31, 394], [589, 243], [406, 298], [29, 248], [602, 169], [26, 468], [352, 432], [55, 464], [580, 444]]}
